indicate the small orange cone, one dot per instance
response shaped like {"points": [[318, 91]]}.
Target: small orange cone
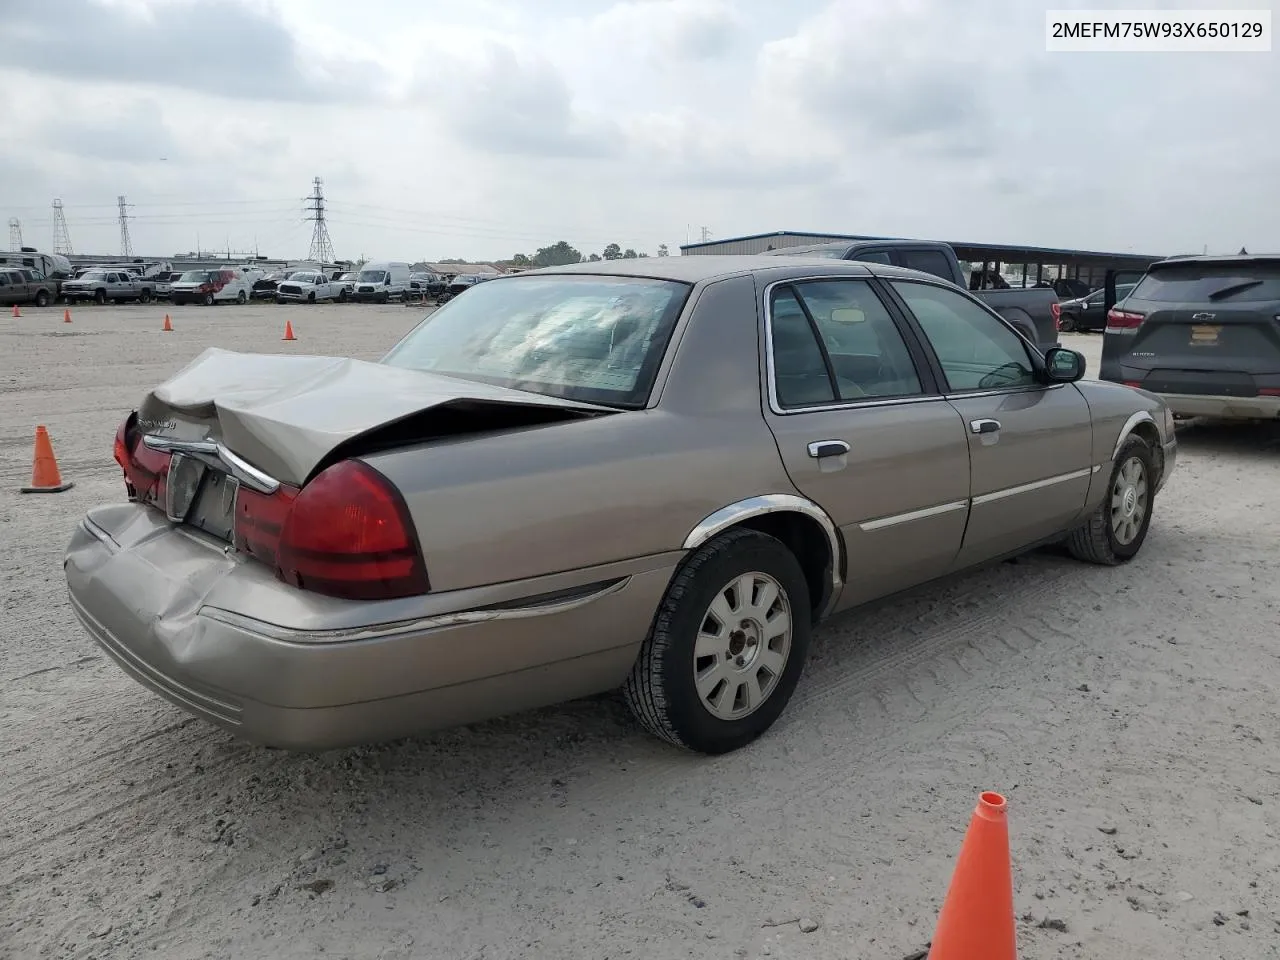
{"points": [[16, 312], [977, 922], [288, 331], [168, 325], [66, 315], [45, 477]]}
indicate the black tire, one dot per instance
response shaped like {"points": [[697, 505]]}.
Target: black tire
{"points": [[208, 300], [144, 297], [342, 296], [660, 690], [1096, 540], [42, 298], [311, 298], [242, 298], [1067, 323], [100, 297]]}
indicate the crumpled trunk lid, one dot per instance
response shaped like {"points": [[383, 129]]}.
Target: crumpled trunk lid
{"points": [[286, 414]]}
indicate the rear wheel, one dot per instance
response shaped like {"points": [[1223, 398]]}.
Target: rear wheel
{"points": [[1115, 531], [42, 298], [242, 298], [144, 297], [727, 645]]}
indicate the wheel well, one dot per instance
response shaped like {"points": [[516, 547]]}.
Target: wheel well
{"points": [[1148, 432], [807, 541]]}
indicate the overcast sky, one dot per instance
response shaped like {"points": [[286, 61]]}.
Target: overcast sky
{"points": [[484, 128]]}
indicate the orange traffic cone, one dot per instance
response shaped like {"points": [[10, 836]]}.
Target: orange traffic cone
{"points": [[168, 325], [288, 331], [45, 477], [16, 312], [976, 922], [66, 315]]}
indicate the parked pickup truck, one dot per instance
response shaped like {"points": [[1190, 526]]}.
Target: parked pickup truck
{"points": [[20, 285], [114, 285], [308, 286], [1032, 310]]}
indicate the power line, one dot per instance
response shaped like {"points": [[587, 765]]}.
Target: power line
{"points": [[126, 247], [61, 236], [321, 245]]}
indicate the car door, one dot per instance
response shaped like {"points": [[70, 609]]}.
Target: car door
{"points": [[9, 291], [864, 431], [1030, 443]]}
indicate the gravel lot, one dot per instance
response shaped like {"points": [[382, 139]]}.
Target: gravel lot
{"points": [[1129, 714]]}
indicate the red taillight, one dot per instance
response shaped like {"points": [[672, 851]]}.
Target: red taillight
{"points": [[145, 470], [1133, 383], [1056, 308], [1118, 319], [346, 534], [1269, 391], [260, 521]]}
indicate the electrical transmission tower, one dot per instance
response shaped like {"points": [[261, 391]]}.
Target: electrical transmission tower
{"points": [[126, 247], [15, 233], [706, 234], [61, 238], [321, 245]]}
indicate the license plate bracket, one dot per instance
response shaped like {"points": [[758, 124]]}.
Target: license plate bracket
{"points": [[182, 485], [1205, 335]]}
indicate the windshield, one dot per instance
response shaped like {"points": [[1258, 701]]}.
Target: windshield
{"points": [[1198, 282], [92, 275], [372, 276], [196, 276], [301, 277], [589, 338]]}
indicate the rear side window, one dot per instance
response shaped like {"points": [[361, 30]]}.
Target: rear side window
{"points": [[1211, 282], [928, 261], [859, 353], [872, 256]]}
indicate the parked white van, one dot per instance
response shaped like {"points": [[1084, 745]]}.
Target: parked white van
{"points": [[382, 280]]}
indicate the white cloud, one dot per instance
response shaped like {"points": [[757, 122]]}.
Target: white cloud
{"points": [[494, 126]]}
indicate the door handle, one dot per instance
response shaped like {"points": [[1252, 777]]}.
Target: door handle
{"points": [[984, 426], [827, 448]]}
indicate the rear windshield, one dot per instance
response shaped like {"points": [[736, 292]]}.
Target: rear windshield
{"points": [[1212, 282], [831, 253], [596, 339]]}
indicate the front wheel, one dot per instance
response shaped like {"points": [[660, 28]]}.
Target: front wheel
{"points": [[1115, 531], [100, 297], [727, 645], [208, 300], [1067, 323]]}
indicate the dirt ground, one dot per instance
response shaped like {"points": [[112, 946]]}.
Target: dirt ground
{"points": [[1129, 714]]}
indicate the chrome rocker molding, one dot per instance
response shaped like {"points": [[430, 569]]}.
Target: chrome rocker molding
{"points": [[240, 468], [735, 513]]}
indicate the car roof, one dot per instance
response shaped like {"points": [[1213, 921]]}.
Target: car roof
{"points": [[1235, 259], [699, 268]]}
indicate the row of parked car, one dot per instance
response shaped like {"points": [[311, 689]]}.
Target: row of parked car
{"points": [[375, 282]]}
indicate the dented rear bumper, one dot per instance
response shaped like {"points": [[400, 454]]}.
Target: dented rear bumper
{"points": [[221, 638]]}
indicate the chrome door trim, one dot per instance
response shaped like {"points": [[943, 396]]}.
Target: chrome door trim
{"points": [[770, 376], [892, 521], [735, 513], [1034, 485], [241, 469]]}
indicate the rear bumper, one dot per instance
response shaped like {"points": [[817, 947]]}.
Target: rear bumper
{"points": [[1226, 408], [319, 686]]}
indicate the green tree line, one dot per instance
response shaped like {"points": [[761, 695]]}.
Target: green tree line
{"points": [[562, 252]]}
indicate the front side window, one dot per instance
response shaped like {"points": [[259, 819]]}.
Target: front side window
{"points": [[597, 339], [975, 350], [835, 340]]}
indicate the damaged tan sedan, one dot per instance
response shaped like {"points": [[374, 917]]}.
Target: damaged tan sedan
{"points": [[651, 474]]}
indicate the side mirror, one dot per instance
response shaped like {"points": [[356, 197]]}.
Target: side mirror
{"points": [[1063, 366]]}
